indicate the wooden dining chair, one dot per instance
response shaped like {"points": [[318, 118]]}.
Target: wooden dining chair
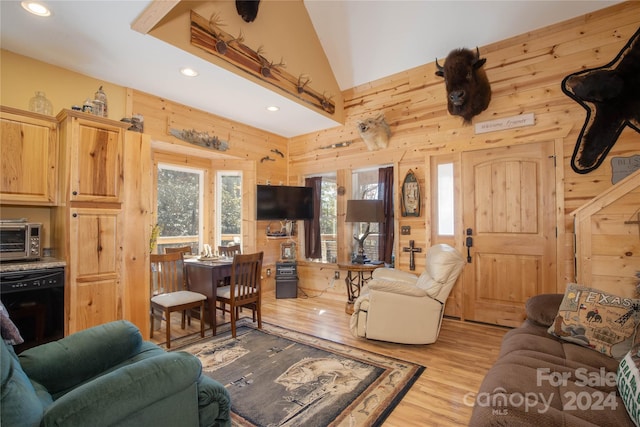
{"points": [[186, 250], [244, 290], [169, 294], [229, 251]]}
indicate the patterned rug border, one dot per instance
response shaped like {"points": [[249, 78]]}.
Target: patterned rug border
{"points": [[411, 371]]}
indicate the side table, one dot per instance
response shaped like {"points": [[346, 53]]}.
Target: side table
{"points": [[357, 276]]}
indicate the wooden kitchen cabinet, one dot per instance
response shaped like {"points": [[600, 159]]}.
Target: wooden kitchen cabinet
{"points": [[28, 158], [92, 151], [95, 257], [87, 223]]}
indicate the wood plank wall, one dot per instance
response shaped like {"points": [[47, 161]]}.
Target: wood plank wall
{"points": [[608, 239], [247, 147], [525, 74]]}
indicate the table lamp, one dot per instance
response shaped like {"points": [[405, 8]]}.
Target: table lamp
{"points": [[364, 211]]}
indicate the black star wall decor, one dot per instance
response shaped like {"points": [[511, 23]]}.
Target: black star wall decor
{"points": [[611, 96]]}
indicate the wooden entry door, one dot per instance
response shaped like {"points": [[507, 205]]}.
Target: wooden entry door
{"points": [[509, 206]]}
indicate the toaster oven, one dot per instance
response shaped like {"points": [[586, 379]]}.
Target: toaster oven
{"points": [[20, 240]]}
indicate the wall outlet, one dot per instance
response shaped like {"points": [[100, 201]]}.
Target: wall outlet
{"points": [[405, 230], [268, 272], [336, 275]]}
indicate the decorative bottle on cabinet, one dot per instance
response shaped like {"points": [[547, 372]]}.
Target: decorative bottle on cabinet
{"points": [[40, 104], [100, 99]]}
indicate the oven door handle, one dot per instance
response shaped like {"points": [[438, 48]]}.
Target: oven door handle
{"points": [[14, 277]]}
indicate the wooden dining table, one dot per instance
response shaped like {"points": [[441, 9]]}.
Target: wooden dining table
{"points": [[205, 277]]}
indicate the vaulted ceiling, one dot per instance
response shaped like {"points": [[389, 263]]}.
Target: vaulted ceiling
{"points": [[352, 42]]}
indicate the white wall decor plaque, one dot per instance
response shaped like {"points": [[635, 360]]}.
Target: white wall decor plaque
{"points": [[506, 123], [621, 167]]}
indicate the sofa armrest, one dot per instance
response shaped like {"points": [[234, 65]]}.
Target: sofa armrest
{"points": [[63, 364], [214, 403], [114, 397], [397, 287], [543, 309], [394, 275]]}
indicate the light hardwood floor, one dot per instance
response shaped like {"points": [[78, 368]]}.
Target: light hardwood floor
{"points": [[456, 363]]}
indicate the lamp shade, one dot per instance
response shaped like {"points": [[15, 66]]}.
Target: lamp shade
{"points": [[365, 211]]}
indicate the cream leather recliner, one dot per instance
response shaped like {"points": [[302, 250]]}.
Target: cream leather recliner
{"points": [[401, 307]]}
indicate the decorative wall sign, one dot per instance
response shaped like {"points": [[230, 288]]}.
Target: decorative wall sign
{"points": [[410, 195], [506, 123], [611, 96], [337, 145], [621, 167], [201, 139], [207, 35]]}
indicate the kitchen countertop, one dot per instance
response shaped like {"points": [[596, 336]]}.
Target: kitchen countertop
{"points": [[44, 262]]}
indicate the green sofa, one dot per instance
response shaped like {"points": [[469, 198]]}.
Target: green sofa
{"points": [[108, 376]]}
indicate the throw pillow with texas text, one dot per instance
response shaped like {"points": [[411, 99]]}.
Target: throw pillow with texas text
{"points": [[596, 319]]}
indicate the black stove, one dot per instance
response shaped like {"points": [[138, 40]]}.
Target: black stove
{"points": [[34, 299]]}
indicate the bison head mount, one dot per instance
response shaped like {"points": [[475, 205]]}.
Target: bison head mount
{"points": [[468, 88], [375, 132], [247, 9]]}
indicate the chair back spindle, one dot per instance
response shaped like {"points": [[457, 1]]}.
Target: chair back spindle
{"points": [[167, 271], [245, 275], [229, 251], [184, 249]]}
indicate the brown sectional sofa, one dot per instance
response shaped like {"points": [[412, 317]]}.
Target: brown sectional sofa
{"points": [[540, 380]]}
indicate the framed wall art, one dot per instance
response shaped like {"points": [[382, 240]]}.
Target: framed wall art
{"points": [[288, 251], [410, 195]]}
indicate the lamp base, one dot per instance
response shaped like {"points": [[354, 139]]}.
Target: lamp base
{"points": [[359, 259]]}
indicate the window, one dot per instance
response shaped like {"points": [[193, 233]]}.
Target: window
{"points": [[180, 201], [365, 187], [229, 211], [445, 200], [329, 219]]}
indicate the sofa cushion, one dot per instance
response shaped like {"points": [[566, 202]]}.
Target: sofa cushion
{"points": [[429, 285], [111, 398], [63, 364], [541, 380], [396, 288], [596, 319], [21, 405], [542, 309], [443, 262]]}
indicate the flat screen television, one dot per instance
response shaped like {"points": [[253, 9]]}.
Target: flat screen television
{"points": [[280, 202]]}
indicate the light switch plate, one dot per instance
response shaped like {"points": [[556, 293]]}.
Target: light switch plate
{"points": [[405, 230]]}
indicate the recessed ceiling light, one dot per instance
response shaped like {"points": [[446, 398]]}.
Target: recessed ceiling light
{"points": [[36, 8], [189, 72], [273, 108]]}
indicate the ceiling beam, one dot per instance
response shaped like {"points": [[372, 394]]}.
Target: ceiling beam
{"points": [[153, 14]]}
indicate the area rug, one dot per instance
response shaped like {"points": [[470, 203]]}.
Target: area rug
{"points": [[280, 377]]}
